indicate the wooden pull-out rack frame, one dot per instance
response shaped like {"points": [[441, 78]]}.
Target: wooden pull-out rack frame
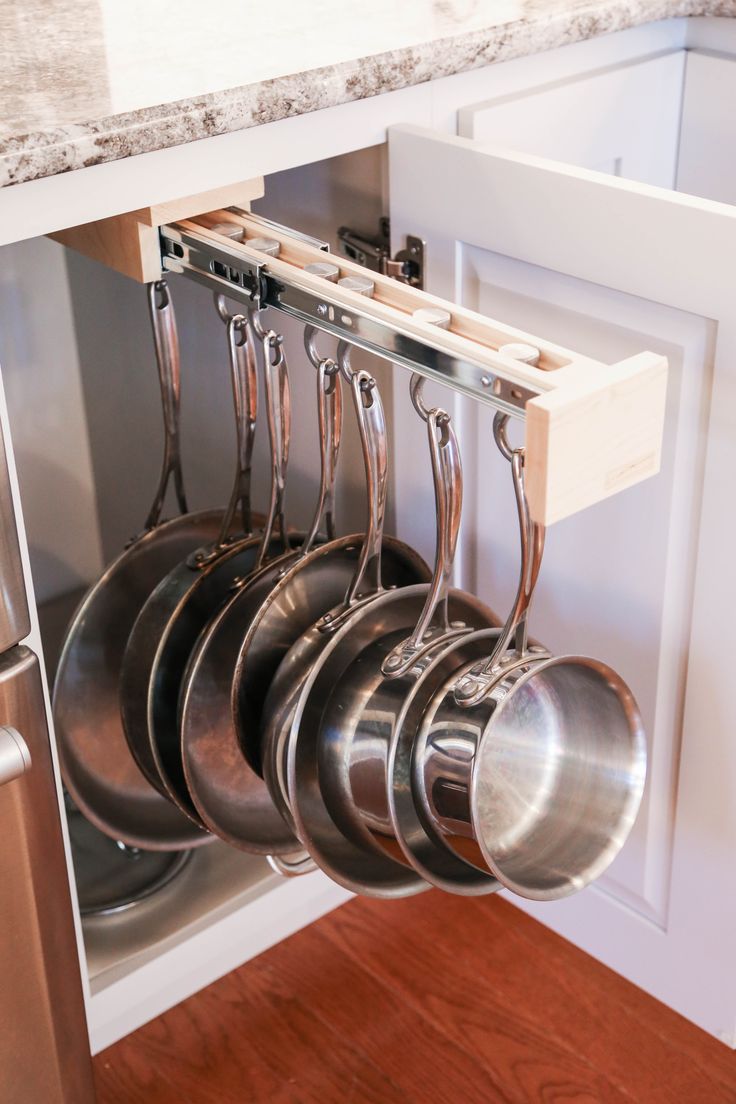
{"points": [[591, 429]]}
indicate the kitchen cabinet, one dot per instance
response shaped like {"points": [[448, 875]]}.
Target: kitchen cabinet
{"points": [[607, 262], [545, 191]]}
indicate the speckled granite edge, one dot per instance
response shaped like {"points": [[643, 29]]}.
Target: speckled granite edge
{"points": [[48, 153]]}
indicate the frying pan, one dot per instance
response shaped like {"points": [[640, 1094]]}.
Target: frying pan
{"points": [[254, 630], [403, 566], [99, 771], [167, 627], [536, 762], [337, 752], [314, 584]]}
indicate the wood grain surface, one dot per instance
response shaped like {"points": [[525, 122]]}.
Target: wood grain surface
{"points": [[431, 1000]]}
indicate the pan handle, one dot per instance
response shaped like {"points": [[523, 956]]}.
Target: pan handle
{"points": [[372, 429], [366, 582], [278, 414], [477, 683], [166, 343], [244, 377], [329, 407], [433, 623]]}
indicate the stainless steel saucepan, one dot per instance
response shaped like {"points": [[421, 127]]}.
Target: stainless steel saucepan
{"points": [[337, 767], [530, 765], [98, 768], [167, 627]]}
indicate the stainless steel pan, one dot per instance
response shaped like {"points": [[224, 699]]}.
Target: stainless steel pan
{"points": [[337, 765], [421, 846], [229, 796], [313, 585], [253, 631], [532, 766], [168, 626], [368, 556], [99, 771]]}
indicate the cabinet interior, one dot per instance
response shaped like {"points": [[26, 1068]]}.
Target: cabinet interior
{"points": [[82, 393]]}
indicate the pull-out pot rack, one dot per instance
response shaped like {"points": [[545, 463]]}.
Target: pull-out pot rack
{"points": [[591, 429]]}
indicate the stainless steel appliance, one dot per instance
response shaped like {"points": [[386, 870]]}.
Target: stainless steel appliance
{"points": [[44, 1047]]}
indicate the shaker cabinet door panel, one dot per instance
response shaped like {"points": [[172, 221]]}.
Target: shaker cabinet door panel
{"points": [[643, 580]]}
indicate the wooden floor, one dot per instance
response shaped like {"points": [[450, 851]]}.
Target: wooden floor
{"points": [[432, 1000]]}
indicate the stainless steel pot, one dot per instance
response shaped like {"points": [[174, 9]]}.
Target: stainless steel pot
{"points": [[423, 847], [338, 759], [99, 770], [529, 765], [167, 627]]}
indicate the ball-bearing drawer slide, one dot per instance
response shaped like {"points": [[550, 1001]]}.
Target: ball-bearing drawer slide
{"points": [[591, 428], [247, 278]]}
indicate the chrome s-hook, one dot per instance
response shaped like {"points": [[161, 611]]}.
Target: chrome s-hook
{"points": [[441, 417], [270, 339], [416, 387], [239, 322], [220, 307], [344, 350], [254, 314], [322, 363], [500, 427]]}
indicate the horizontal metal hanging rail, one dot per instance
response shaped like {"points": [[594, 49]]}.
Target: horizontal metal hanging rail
{"points": [[591, 429], [244, 276]]}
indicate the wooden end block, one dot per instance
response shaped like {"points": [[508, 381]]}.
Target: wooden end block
{"points": [[596, 434], [128, 243]]}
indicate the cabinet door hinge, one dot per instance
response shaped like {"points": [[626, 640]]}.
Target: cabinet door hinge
{"points": [[375, 253]]}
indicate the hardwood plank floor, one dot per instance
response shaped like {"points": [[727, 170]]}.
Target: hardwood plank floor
{"points": [[430, 1000]]}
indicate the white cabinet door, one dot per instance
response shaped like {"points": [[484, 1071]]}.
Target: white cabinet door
{"points": [[645, 580]]}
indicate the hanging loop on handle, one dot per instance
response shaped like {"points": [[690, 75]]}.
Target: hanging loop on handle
{"points": [[433, 623], [278, 413], [329, 407], [244, 378], [166, 343], [479, 681]]}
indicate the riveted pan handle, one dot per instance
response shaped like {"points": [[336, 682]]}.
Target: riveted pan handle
{"points": [[479, 681], [278, 415], [244, 377], [372, 429], [447, 474], [166, 344], [366, 582], [329, 407]]}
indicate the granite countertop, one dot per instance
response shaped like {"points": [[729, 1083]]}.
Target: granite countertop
{"points": [[88, 81]]}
